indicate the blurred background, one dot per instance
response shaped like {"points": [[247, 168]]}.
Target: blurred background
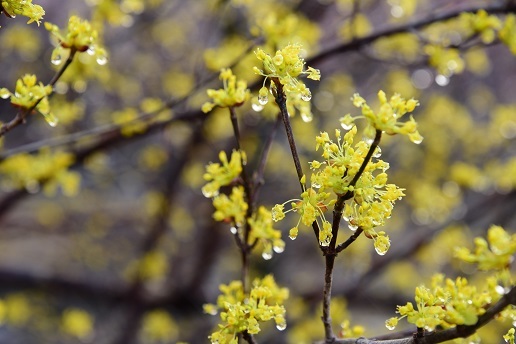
{"points": [[115, 243]]}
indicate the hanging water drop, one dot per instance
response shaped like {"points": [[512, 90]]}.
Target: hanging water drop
{"points": [[281, 326], [380, 250], [389, 326], [346, 126], [257, 107], [279, 248], [209, 193], [306, 117], [306, 96], [233, 230], [267, 255], [263, 100], [91, 51], [377, 152], [4, 94], [101, 60], [56, 59], [352, 227]]}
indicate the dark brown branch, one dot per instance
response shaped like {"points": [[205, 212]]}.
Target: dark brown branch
{"points": [[281, 100], [360, 42]]}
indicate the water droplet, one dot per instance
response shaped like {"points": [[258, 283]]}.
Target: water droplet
{"points": [[390, 327], [233, 230], [442, 80], [307, 118], [209, 193], [279, 249], [418, 141], [500, 290], [101, 60], [56, 59], [52, 123], [380, 250], [263, 100], [352, 227], [257, 107], [91, 51], [306, 96], [325, 243], [346, 126], [4, 95], [281, 326], [267, 255], [316, 185], [377, 152]]}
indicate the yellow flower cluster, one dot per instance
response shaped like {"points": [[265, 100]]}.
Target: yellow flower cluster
{"points": [[446, 304], [26, 8], [262, 231], [310, 207], [496, 253], [508, 33], [223, 173], [29, 170], [234, 93], [483, 24], [231, 209], [387, 118], [239, 313], [373, 199], [28, 93], [80, 36], [447, 61], [285, 67]]}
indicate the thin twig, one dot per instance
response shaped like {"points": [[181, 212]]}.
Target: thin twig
{"points": [[281, 100]]}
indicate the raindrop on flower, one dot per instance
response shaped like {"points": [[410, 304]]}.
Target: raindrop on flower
{"points": [[91, 51], [257, 107], [307, 118], [233, 230], [306, 96], [263, 100], [279, 249], [381, 250], [500, 290], [281, 326], [377, 152], [346, 126], [325, 243], [101, 60], [418, 141], [316, 185], [56, 59], [52, 122], [267, 255], [352, 227], [208, 193], [390, 327], [5, 95]]}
